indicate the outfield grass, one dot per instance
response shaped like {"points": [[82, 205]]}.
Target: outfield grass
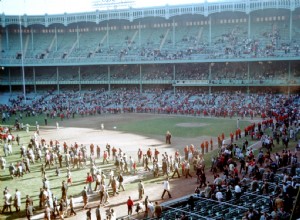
{"points": [[158, 126]]}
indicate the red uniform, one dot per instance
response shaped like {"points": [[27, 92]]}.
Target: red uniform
{"points": [[206, 146]]}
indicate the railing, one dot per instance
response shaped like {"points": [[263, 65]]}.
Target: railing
{"points": [[224, 82], [199, 58]]}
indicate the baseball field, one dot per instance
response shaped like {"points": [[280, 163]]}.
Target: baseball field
{"points": [[126, 131]]}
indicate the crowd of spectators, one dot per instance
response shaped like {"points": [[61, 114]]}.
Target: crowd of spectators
{"points": [[184, 102], [192, 72], [238, 173]]}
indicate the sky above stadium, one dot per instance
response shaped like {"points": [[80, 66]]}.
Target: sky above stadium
{"points": [[40, 7]]}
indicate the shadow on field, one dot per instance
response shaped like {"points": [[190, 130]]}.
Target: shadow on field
{"points": [[14, 215], [4, 178]]}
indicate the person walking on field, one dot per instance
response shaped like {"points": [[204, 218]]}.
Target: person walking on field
{"points": [[146, 202], [105, 157], [47, 213], [7, 202], [157, 210], [72, 212], [64, 190], [88, 214], [89, 180], [168, 137], [84, 197], [114, 185], [141, 189], [98, 215], [29, 211], [121, 179], [176, 169], [101, 191], [187, 169], [17, 200], [129, 205], [62, 209], [166, 188]]}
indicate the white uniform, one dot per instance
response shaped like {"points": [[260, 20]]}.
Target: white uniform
{"points": [[2, 163], [18, 198], [9, 148]]}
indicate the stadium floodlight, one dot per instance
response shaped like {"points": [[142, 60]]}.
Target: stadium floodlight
{"points": [[22, 60]]}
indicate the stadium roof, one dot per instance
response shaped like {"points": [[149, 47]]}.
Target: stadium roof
{"points": [[39, 7]]}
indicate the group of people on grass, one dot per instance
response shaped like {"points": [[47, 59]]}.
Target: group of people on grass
{"points": [[54, 157]]}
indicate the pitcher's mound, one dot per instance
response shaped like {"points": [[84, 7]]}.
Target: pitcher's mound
{"points": [[191, 125]]}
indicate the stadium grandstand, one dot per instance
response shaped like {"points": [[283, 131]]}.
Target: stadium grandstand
{"points": [[158, 59], [241, 45]]}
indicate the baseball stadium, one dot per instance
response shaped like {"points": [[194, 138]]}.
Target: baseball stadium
{"points": [[174, 112]]}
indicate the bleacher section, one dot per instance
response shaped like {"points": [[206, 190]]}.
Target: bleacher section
{"points": [[46, 73], [162, 40], [253, 198], [157, 72], [192, 72], [125, 72]]}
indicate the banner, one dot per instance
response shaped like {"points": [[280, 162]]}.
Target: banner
{"points": [[112, 4]]}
